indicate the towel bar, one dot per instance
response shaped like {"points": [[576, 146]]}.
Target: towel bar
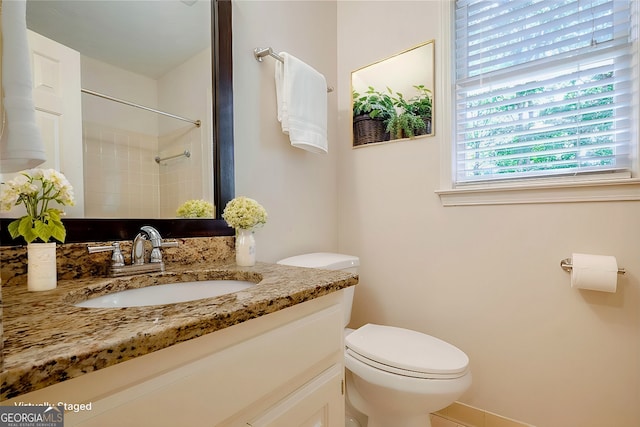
{"points": [[185, 153], [261, 52]]}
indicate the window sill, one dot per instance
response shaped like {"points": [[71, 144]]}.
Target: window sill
{"points": [[559, 192]]}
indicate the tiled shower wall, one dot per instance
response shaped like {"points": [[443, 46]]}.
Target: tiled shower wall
{"points": [[121, 176], [121, 143], [181, 178]]}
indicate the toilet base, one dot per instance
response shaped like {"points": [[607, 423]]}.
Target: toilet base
{"points": [[393, 408], [353, 417], [360, 420], [373, 419], [351, 422]]}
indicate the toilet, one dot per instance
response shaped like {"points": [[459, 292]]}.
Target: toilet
{"points": [[395, 376]]}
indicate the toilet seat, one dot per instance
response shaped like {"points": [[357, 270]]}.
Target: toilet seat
{"points": [[405, 352]]}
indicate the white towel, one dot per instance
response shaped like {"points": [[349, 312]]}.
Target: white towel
{"points": [[301, 94], [21, 144]]}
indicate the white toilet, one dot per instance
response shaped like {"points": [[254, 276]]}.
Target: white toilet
{"points": [[395, 376]]}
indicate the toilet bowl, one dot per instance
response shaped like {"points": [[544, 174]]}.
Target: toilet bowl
{"points": [[398, 376], [395, 376]]}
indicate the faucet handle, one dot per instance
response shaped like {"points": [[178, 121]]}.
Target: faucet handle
{"points": [[156, 255], [117, 260]]}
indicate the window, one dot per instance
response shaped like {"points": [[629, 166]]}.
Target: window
{"points": [[543, 88]]}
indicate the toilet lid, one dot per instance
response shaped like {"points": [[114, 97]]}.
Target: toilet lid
{"points": [[326, 260], [406, 352]]}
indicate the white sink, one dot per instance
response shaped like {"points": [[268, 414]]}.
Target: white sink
{"points": [[166, 294]]}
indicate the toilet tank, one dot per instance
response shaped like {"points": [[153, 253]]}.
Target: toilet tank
{"points": [[329, 261]]}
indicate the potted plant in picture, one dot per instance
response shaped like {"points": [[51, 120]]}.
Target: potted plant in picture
{"points": [[370, 111], [404, 123], [422, 106]]}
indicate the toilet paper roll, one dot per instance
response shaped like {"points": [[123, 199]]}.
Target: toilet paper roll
{"points": [[594, 272]]}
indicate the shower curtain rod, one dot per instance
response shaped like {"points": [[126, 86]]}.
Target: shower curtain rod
{"points": [[110, 98]]}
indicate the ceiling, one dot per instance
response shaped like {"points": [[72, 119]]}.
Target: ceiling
{"points": [[148, 37]]}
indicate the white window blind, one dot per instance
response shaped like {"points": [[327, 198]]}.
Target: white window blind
{"points": [[542, 88]]}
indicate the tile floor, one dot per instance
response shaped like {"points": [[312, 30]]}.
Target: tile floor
{"points": [[460, 415], [437, 421]]}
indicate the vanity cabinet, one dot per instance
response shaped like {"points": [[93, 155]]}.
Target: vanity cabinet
{"points": [[314, 404], [284, 368]]}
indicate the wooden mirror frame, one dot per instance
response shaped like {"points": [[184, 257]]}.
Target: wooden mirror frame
{"points": [[93, 229]]}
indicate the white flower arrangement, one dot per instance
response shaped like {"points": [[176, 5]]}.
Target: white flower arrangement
{"points": [[244, 213], [195, 209], [36, 188]]}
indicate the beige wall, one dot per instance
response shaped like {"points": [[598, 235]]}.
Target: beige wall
{"points": [[486, 279], [297, 188]]}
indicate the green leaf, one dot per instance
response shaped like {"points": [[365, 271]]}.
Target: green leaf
{"points": [[55, 227], [55, 215], [13, 229], [59, 233], [42, 230], [26, 229]]}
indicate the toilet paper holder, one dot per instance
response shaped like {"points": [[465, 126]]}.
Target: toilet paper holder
{"points": [[567, 265]]}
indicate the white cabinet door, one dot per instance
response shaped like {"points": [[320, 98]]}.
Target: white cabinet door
{"points": [[319, 403], [283, 369], [237, 379]]}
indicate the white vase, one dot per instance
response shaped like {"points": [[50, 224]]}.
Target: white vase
{"points": [[245, 248], [41, 266]]}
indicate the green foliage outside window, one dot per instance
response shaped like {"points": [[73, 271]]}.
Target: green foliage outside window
{"points": [[530, 147]]}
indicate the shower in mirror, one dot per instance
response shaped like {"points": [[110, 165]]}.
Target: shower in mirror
{"points": [[146, 84]]}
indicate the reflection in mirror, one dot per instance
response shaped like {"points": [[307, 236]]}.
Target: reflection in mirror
{"points": [[393, 98], [92, 229], [155, 54]]}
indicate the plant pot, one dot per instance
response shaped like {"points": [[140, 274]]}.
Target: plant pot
{"points": [[367, 130], [427, 128], [41, 267]]}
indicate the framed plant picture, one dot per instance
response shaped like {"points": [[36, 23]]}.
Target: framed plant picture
{"points": [[392, 99]]}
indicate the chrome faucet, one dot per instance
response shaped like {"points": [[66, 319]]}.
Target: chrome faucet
{"points": [[137, 251], [138, 258]]}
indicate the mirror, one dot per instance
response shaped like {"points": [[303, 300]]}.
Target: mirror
{"points": [[221, 134], [146, 58], [392, 99]]}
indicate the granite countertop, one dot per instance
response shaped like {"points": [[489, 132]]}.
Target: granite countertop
{"points": [[47, 340]]}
